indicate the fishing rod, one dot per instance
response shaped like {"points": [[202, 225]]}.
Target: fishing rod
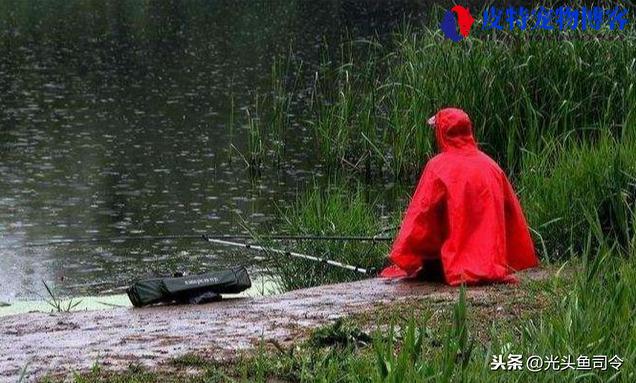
{"points": [[304, 237], [282, 237], [288, 253]]}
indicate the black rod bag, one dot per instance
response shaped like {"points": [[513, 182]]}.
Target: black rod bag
{"points": [[198, 288]]}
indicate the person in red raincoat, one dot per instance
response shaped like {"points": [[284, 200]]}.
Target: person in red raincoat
{"points": [[464, 215]]}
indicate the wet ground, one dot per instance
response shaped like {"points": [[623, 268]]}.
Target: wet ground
{"points": [[59, 343]]}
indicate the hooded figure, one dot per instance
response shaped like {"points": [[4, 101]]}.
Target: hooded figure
{"points": [[464, 215]]}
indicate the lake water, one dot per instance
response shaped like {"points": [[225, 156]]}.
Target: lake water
{"points": [[114, 122]]}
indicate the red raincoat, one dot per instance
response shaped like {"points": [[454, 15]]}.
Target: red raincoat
{"points": [[464, 213]]}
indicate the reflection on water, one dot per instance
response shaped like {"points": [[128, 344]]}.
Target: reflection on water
{"points": [[113, 121]]}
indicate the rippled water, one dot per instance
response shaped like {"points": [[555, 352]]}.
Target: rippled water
{"points": [[113, 121]]}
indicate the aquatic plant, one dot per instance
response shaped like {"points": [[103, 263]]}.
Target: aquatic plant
{"points": [[58, 304], [231, 126], [285, 78], [256, 147]]}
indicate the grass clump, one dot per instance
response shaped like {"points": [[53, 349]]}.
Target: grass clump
{"points": [[342, 333], [58, 304], [568, 181], [134, 374], [329, 212]]}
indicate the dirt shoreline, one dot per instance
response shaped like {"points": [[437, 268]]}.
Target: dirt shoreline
{"points": [[67, 342]]}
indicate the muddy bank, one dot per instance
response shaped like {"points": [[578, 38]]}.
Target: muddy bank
{"points": [[60, 343]]}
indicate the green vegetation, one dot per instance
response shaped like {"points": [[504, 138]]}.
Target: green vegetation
{"points": [[255, 140], [328, 212], [58, 304], [523, 94], [570, 181]]}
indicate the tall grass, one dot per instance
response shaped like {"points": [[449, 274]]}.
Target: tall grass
{"points": [[369, 105], [284, 83], [255, 142], [331, 211], [268, 118], [571, 179]]}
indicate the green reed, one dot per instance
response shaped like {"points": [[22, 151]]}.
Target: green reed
{"points": [[570, 178], [58, 304], [280, 104], [332, 211], [369, 111], [255, 142]]}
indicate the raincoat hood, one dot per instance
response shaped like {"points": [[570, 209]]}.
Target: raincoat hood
{"points": [[454, 130]]}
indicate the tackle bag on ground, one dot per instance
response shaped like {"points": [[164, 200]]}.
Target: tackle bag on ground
{"points": [[199, 288]]}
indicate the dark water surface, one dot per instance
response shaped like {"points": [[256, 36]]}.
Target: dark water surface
{"points": [[114, 122]]}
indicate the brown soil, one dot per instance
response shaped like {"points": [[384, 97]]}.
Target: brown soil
{"points": [[62, 343]]}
